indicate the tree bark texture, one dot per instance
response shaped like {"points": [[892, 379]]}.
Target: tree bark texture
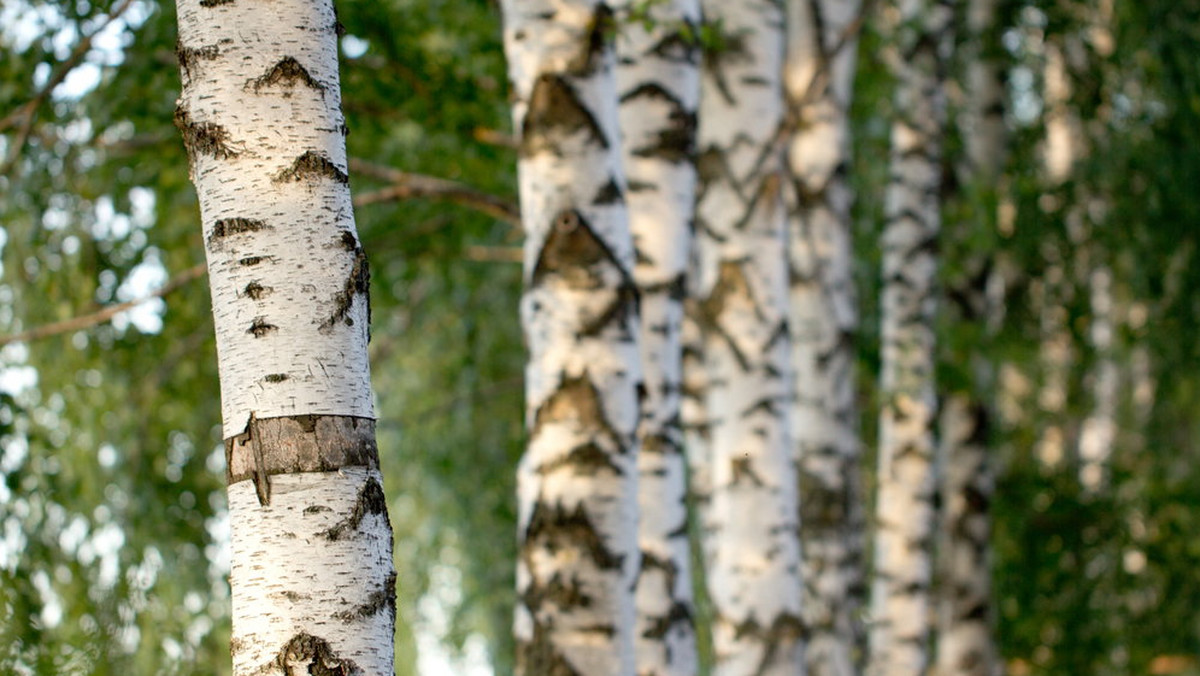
{"points": [[966, 632], [577, 481], [658, 79], [751, 539], [312, 580], [822, 53], [905, 515]]}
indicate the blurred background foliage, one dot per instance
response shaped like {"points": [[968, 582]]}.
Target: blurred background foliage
{"points": [[112, 509]]}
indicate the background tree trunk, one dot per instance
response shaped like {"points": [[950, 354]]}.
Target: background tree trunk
{"points": [[658, 78], [753, 560], [312, 579], [905, 515], [822, 55], [577, 481]]}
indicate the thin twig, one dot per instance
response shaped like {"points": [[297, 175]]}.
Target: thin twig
{"points": [[25, 114], [406, 185], [105, 314]]}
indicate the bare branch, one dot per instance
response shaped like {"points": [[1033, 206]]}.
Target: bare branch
{"points": [[407, 185], [105, 314]]}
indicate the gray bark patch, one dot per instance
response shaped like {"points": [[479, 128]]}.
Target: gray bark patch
{"points": [[287, 73], [312, 443], [312, 165], [316, 656]]}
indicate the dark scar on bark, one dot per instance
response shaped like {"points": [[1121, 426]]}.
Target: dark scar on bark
{"points": [[312, 165], [556, 528], [572, 250], [317, 658], [275, 377], [259, 327], [357, 283], [541, 655], [256, 291], [188, 56], [215, 3], [287, 73], [601, 30], [609, 193], [383, 598], [203, 138], [555, 113], [370, 501], [234, 226], [254, 260]]}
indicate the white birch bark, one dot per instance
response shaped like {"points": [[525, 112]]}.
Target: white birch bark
{"points": [[577, 481], [658, 80], [753, 555], [901, 618], [822, 54], [312, 582], [966, 644]]}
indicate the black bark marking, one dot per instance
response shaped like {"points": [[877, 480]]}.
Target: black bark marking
{"points": [[348, 241], [554, 528], [226, 227], [275, 377], [383, 598], [731, 285], [312, 165], [577, 402], [215, 3], [289, 445], [260, 327], [316, 656], [370, 501], [609, 193], [676, 142], [679, 46], [254, 260], [586, 459], [556, 114], [317, 509], [203, 138], [358, 282], [743, 468], [541, 657], [573, 253], [786, 628], [256, 291], [287, 73], [188, 57], [601, 30]]}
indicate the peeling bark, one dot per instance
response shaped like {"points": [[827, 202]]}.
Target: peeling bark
{"points": [[312, 582], [751, 543], [901, 617], [659, 91], [577, 480], [824, 322]]}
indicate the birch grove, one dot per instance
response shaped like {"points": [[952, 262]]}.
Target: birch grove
{"points": [[312, 582], [900, 614], [658, 81], [577, 480], [751, 542], [822, 56]]}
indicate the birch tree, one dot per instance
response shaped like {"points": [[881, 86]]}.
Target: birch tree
{"points": [[965, 644], [904, 513], [658, 78], [312, 582], [577, 481], [822, 55], [752, 544]]}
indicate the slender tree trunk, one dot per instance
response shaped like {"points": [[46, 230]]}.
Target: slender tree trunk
{"points": [[905, 515], [577, 481], [312, 579], [966, 644], [658, 78], [741, 283], [822, 55]]}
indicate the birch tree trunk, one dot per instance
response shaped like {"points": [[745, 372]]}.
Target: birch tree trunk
{"points": [[577, 481], [822, 55], [741, 284], [905, 515], [312, 580], [658, 79], [966, 644]]}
